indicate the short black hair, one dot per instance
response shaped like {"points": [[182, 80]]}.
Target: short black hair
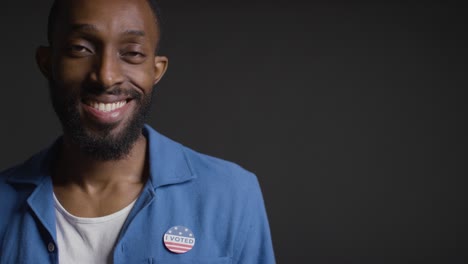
{"points": [[53, 15]]}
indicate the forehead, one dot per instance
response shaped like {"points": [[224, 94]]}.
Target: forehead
{"points": [[107, 16]]}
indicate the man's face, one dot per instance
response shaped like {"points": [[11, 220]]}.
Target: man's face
{"points": [[101, 69]]}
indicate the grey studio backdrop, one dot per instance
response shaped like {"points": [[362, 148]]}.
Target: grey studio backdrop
{"points": [[350, 114]]}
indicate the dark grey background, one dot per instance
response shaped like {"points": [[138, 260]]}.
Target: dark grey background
{"points": [[350, 114]]}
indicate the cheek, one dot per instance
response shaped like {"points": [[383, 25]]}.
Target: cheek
{"points": [[142, 76], [71, 72]]}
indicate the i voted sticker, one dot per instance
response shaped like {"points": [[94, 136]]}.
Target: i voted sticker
{"points": [[179, 239]]}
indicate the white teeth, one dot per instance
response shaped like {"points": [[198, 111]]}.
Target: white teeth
{"points": [[107, 107]]}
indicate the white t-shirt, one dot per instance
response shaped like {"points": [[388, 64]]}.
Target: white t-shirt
{"points": [[87, 240]]}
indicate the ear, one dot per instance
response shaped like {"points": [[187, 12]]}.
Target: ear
{"points": [[160, 67], [43, 60]]}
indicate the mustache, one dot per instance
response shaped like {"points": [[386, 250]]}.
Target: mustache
{"points": [[118, 91]]}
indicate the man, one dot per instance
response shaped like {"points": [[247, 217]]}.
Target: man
{"points": [[111, 189]]}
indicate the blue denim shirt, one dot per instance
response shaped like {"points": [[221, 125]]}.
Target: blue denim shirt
{"points": [[219, 201]]}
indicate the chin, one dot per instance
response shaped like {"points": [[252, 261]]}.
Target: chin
{"points": [[103, 134]]}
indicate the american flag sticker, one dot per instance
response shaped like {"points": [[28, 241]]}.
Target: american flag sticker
{"points": [[179, 239]]}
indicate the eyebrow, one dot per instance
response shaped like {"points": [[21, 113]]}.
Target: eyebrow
{"points": [[84, 27], [93, 28], [133, 32]]}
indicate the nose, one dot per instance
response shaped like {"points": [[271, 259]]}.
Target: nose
{"points": [[107, 70]]}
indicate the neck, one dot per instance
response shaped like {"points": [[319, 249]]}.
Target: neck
{"points": [[73, 167]]}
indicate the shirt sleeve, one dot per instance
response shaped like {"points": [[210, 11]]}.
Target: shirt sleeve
{"points": [[256, 245]]}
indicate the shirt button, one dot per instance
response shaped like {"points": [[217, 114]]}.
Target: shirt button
{"points": [[51, 247]]}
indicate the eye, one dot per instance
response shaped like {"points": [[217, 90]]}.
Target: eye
{"points": [[134, 57], [79, 50], [133, 54]]}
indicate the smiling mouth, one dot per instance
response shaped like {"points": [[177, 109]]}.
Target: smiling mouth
{"points": [[106, 107]]}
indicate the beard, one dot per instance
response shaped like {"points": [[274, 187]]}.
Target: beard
{"points": [[100, 143]]}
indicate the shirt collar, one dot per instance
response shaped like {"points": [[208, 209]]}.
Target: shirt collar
{"points": [[168, 162], [36, 168]]}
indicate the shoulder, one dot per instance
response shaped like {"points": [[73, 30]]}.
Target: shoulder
{"points": [[171, 161], [21, 178], [231, 187], [28, 172], [13, 181], [221, 177], [5, 188], [8, 176], [10, 196], [210, 168]]}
